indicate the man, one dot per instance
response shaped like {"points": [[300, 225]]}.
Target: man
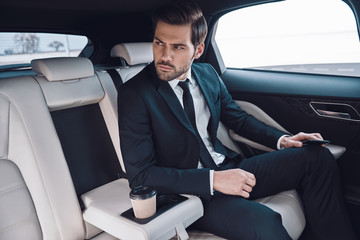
{"points": [[168, 118]]}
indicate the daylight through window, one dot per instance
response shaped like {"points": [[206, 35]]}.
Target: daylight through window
{"points": [[21, 48], [313, 36]]}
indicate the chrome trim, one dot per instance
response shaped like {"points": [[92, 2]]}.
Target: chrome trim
{"points": [[334, 114], [331, 114]]}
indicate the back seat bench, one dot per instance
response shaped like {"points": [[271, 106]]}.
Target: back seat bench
{"points": [[83, 108], [53, 126], [37, 199]]}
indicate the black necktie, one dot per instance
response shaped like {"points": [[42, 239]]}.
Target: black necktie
{"points": [[188, 103]]}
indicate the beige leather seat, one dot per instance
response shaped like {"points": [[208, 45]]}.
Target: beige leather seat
{"points": [[70, 84], [37, 197], [71, 87], [136, 55]]}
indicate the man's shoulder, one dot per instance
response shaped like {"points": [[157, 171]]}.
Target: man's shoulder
{"points": [[205, 71], [202, 67]]}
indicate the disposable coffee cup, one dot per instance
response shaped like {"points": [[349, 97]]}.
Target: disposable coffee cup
{"points": [[143, 201]]}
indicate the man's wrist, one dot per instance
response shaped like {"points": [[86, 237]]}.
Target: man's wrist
{"points": [[278, 145]]}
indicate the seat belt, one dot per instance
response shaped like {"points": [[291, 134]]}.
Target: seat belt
{"points": [[115, 76]]}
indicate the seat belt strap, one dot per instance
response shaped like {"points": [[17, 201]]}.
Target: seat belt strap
{"points": [[115, 76]]}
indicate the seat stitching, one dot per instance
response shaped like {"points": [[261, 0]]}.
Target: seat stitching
{"points": [[11, 187]]}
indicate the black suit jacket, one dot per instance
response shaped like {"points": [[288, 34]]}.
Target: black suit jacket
{"points": [[158, 143]]}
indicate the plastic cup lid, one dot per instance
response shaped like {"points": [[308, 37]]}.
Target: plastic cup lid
{"points": [[141, 192]]}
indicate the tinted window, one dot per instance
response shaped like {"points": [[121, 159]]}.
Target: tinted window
{"points": [[21, 48], [313, 36]]}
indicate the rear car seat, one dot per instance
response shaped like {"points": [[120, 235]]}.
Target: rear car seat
{"points": [[78, 102], [56, 145], [83, 119], [287, 203], [37, 197], [136, 55]]}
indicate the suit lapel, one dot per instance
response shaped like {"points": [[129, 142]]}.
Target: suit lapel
{"points": [[167, 93], [201, 80]]}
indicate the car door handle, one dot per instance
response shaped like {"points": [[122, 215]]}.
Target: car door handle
{"points": [[325, 113], [335, 110]]}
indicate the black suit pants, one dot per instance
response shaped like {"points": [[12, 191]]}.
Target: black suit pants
{"points": [[311, 170]]}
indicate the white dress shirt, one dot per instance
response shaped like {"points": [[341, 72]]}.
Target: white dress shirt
{"points": [[202, 117], [202, 114]]}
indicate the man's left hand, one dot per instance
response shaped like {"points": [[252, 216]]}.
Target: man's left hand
{"points": [[295, 141]]}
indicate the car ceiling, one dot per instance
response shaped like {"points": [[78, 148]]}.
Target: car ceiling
{"points": [[69, 14], [105, 22]]}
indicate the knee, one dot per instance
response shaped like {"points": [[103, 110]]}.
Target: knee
{"points": [[268, 227], [320, 162], [320, 157], [325, 159]]}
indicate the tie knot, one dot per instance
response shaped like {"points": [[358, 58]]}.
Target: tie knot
{"points": [[184, 85]]}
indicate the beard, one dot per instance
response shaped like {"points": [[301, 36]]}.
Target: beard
{"points": [[170, 75]]}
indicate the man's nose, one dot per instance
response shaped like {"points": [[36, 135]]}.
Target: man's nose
{"points": [[166, 54]]}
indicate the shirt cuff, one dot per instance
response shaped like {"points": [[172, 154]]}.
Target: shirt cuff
{"points": [[211, 182], [279, 141]]}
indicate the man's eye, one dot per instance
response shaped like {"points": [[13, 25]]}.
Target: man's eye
{"points": [[179, 47], [160, 43]]}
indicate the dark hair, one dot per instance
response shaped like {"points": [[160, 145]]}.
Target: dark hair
{"points": [[181, 13]]}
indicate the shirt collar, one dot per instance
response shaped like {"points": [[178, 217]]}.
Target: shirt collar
{"points": [[174, 83]]}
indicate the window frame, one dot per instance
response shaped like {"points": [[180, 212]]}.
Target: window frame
{"points": [[219, 63]]}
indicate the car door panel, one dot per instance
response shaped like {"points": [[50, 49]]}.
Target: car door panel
{"points": [[255, 111], [289, 99]]}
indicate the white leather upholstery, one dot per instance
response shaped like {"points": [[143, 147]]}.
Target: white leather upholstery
{"points": [[29, 140], [134, 53], [137, 55], [18, 217], [63, 68], [262, 116], [288, 203], [34, 148], [254, 110], [108, 106], [69, 93], [76, 84], [106, 203], [128, 72], [4, 127]]}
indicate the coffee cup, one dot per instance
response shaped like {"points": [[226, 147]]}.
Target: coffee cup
{"points": [[143, 201]]}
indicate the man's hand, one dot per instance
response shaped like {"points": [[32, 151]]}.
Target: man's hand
{"points": [[234, 182], [295, 141]]}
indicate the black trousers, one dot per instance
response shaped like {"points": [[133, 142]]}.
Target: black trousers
{"points": [[311, 170]]}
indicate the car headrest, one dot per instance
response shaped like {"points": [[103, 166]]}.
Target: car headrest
{"points": [[134, 53], [63, 68]]}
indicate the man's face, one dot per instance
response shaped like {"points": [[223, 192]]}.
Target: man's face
{"points": [[174, 51]]}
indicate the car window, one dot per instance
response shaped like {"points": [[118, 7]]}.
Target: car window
{"points": [[312, 36], [21, 48]]}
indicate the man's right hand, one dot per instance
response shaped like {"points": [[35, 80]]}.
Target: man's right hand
{"points": [[234, 182]]}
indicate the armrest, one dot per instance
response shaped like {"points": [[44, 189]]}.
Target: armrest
{"points": [[252, 144], [105, 204], [258, 113], [336, 150]]}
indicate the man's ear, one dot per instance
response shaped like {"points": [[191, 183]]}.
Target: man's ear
{"points": [[199, 50]]}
